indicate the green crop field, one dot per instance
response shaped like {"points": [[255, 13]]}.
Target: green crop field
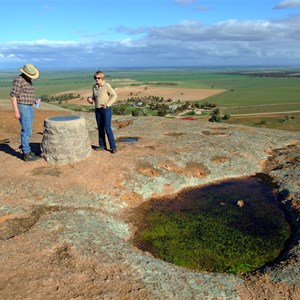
{"points": [[246, 91], [257, 91], [50, 82], [240, 89]]}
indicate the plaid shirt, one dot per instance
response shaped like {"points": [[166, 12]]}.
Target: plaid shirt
{"points": [[23, 90]]}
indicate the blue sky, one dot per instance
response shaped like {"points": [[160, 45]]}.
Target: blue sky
{"points": [[149, 33]]}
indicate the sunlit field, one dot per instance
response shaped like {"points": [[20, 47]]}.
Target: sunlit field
{"points": [[249, 98]]}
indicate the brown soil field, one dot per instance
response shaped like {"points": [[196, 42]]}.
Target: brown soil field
{"points": [[167, 93], [10, 127]]}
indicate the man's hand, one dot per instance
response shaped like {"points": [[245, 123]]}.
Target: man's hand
{"points": [[17, 115]]}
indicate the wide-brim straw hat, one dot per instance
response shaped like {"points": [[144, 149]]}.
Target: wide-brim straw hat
{"points": [[31, 71]]}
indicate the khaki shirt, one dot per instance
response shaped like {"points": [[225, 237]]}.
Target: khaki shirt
{"points": [[104, 94]]}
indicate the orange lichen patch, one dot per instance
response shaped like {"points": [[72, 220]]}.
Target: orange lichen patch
{"points": [[170, 166], [147, 170], [191, 169], [132, 198], [262, 164], [174, 134], [279, 160], [8, 217], [205, 132], [218, 128], [196, 170], [122, 124], [296, 205], [37, 197], [166, 192], [219, 159]]}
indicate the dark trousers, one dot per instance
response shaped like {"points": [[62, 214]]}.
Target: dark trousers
{"points": [[103, 118]]}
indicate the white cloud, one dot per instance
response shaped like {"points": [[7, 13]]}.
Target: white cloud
{"points": [[288, 4], [188, 43], [129, 43], [201, 8], [184, 1], [232, 30], [46, 7]]}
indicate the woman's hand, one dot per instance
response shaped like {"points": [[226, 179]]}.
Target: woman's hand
{"points": [[90, 100]]}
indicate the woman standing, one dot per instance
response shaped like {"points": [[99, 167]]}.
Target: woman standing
{"points": [[103, 96]]}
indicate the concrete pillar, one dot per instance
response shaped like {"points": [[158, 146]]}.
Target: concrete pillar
{"points": [[65, 140]]}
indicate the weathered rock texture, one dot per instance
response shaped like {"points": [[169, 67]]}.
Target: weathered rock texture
{"points": [[65, 229], [65, 140]]}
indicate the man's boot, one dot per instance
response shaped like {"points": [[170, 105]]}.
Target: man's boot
{"points": [[30, 156]]}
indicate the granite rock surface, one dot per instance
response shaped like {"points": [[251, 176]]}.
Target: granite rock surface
{"points": [[65, 230]]}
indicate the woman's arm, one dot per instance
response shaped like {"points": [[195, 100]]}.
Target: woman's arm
{"points": [[112, 95]]}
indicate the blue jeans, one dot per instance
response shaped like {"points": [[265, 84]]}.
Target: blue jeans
{"points": [[103, 118], [26, 120]]}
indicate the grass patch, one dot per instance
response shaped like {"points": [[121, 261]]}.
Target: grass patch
{"points": [[256, 109], [206, 229], [275, 121], [75, 107]]}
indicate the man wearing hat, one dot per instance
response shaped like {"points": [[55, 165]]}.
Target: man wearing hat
{"points": [[22, 98]]}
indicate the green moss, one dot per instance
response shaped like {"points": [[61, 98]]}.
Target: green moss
{"points": [[208, 231]]}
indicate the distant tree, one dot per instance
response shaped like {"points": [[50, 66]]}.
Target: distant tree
{"points": [[226, 117], [162, 110], [135, 113], [119, 109], [191, 113], [215, 116]]}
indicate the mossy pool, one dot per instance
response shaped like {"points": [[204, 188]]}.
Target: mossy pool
{"points": [[233, 227]]}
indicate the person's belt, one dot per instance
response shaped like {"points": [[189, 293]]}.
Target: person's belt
{"points": [[25, 104]]}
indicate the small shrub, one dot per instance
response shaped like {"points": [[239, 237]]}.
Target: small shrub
{"points": [[215, 116], [226, 117], [191, 113]]}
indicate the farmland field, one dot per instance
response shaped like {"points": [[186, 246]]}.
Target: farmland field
{"points": [[238, 93]]}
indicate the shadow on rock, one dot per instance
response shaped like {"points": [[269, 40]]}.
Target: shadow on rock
{"points": [[5, 147]]}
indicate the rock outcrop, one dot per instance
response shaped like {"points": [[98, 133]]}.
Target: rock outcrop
{"points": [[65, 229]]}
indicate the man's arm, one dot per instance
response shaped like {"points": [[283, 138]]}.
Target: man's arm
{"points": [[15, 107]]}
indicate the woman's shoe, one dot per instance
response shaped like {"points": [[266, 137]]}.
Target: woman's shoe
{"points": [[99, 148]]}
